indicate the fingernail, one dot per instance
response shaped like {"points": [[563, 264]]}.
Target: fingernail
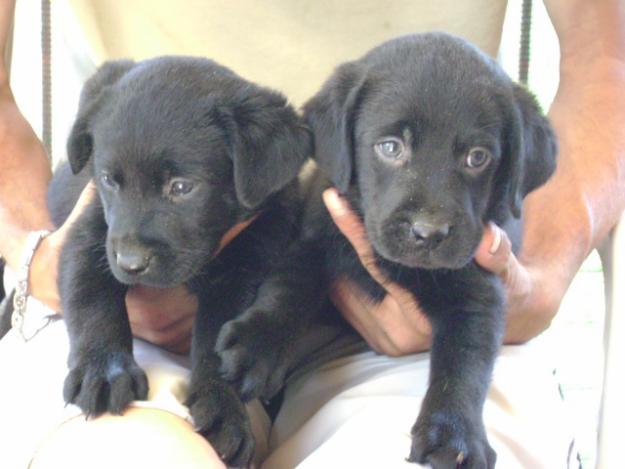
{"points": [[496, 239], [334, 202]]}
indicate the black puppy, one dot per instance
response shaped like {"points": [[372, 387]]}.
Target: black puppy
{"points": [[181, 150], [429, 140]]}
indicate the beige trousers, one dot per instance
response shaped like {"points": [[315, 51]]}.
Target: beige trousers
{"points": [[354, 412]]}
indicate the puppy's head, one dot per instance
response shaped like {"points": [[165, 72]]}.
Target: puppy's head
{"points": [[181, 150], [430, 140]]}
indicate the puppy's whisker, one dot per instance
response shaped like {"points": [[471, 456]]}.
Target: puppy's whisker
{"points": [[492, 125], [103, 263]]}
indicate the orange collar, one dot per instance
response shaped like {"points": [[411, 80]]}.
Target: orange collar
{"points": [[233, 233]]}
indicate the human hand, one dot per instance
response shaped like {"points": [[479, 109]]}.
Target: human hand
{"points": [[397, 325], [42, 280], [161, 316], [532, 298]]}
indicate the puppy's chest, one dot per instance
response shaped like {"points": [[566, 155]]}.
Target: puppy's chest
{"points": [[437, 291], [246, 261]]}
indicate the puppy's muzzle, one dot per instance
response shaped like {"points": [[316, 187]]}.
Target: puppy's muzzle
{"points": [[133, 262], [429, 234]]}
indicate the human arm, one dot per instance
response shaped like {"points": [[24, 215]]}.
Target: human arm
{"points": [[22, 158], [574, 212], [161, 316], [566, 218]]}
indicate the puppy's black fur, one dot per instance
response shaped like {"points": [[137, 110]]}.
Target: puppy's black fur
{"points": [[429, 140], [181, 150]]}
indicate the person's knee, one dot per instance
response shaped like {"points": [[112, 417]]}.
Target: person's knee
{"points": [[141, 438]]}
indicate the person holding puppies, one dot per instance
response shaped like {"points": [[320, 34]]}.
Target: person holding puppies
{"points": [[564, 221]]}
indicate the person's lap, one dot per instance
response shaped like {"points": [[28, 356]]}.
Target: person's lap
{"points": [[32, 408], [356, 411]]}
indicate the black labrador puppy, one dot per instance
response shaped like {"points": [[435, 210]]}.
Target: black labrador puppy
{"points": [[182, 151], [429, 140]]}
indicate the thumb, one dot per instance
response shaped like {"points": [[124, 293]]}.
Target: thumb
{"points": [[348, 222], [495, 250], [494, 253], [86, 196]]}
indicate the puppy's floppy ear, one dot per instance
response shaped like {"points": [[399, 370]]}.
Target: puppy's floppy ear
{"points": [[331, 114], [80, 141], [268, 141], [531, 148]]}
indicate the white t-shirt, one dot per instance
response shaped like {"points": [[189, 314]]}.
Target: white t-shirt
{"points": [[289, 45]]}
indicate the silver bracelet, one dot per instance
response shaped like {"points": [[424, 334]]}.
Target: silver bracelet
{"points": [[20, 296]]}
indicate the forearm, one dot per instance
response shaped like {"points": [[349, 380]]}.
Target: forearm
{"points": [[573, 213], [24, 175], [24, 166], [7, 10], [588, 112], [583, 200]]}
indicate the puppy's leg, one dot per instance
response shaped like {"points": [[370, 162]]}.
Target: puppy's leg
{"points": [[103, 373], [258, 348], [217, 410], [449, 432]]}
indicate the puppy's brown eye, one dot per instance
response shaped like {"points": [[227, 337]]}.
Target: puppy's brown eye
{"points": [[108, 181], [477, 158], [390, 148], [180, 187]]}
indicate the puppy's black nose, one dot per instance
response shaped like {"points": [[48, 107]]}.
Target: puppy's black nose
{"points": [[429, 235], [133, 263]]}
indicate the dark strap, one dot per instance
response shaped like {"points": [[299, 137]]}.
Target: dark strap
{"points": [[46, 76], [524, 52]]}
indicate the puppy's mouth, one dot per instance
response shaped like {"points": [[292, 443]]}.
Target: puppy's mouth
{"points": [[158, 271], [424, 248], [165, 266]]}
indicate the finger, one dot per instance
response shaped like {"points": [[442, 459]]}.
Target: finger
{"points": [[86, 196], [181, 348], [352, 228], [350, 225], [143, 322], [160, 307], [413, 315], [386, 326], [176, 338], [494, 252], [162, 316], [43, 271], [348, 222], [408, 330], [357, 313]]}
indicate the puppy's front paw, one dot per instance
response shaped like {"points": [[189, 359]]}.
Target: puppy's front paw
{"points": [[251, 359], [447, 441], [105, 381], [220, 416]]}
